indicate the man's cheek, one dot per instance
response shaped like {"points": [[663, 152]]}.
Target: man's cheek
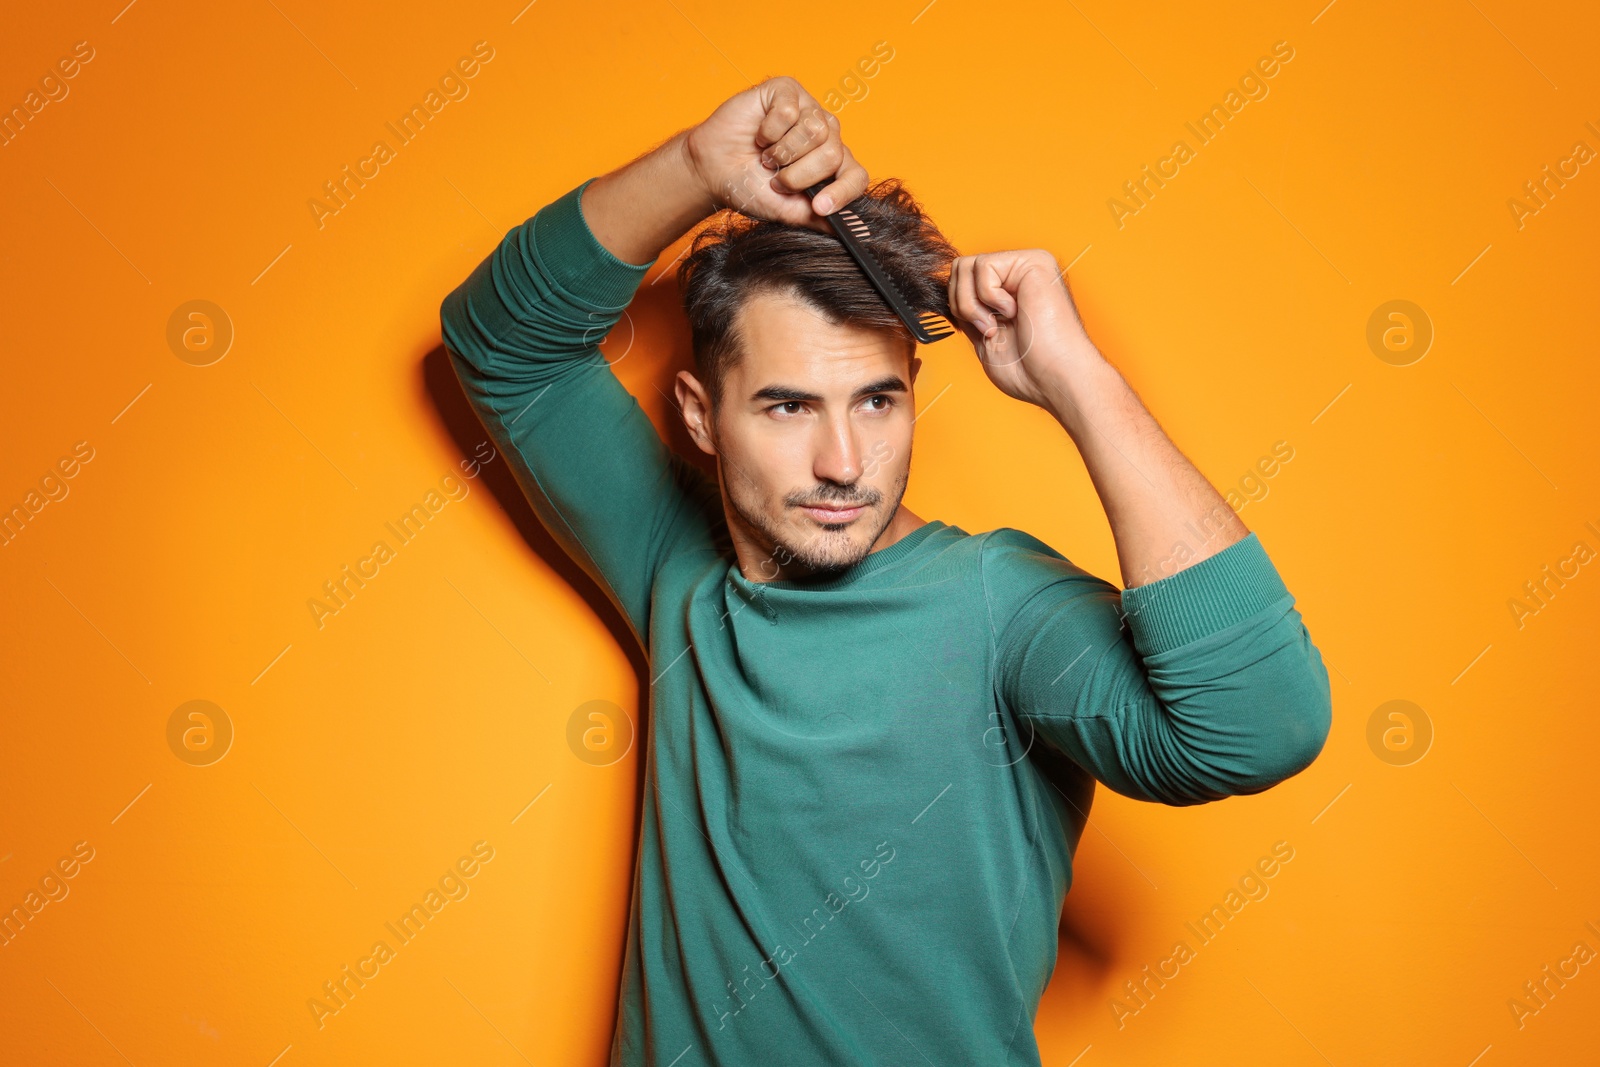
{"points": [[882, 452]]}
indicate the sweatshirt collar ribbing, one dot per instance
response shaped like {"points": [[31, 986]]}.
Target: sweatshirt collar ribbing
{"points": [[872, 562]]}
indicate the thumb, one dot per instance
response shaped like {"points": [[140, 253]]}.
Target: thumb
{"points": [[1002, 348]]}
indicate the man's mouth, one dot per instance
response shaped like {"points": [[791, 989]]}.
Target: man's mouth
{"points": [[832, 514]]}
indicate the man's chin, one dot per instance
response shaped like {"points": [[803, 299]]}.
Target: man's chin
{"points": [[832, 551]]}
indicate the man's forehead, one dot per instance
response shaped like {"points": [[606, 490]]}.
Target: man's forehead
{"points": [[787, 342]]}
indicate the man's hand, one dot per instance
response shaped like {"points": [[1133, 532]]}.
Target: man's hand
{"points": [[757, 153], [1018, 314], [763, 148]]}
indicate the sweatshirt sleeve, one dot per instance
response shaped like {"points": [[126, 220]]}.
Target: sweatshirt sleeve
{"points": [[522, 332], [1202, 685]]}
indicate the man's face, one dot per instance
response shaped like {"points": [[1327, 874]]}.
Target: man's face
{"points": [[813, 435]]}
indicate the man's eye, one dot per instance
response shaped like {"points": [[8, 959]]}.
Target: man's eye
{"points": [[787, 404], [888, 402]]}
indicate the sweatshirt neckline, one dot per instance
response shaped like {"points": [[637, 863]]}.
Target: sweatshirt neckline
{"points": [[872, 562]]}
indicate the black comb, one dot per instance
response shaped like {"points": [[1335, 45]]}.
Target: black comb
{"points": [[925, 326]]}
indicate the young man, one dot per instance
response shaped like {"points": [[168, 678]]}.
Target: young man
{"points": [[854, 847]]}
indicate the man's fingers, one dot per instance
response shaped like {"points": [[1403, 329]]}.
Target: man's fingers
{"points": [[983, 307], [819, 163], [978, 293], [781, 99], [989, 282], [850, 182], [952, 287], [963, 301], [964, 295], [800, 139], [810, 130]]}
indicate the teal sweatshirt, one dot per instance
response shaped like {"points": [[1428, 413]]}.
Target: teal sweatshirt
{"points": [[861, 796]]}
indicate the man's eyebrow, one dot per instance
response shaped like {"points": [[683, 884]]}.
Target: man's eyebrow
{"points": [[783, 393]]}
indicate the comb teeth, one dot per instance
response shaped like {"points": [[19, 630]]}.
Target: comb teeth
{"points": [[926, 326], [853, 222], [935, 326]]}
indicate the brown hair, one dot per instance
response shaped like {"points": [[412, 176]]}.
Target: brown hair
{"points": [[735, 257]]}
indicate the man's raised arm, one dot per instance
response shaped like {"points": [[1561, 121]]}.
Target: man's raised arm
{"points": [[1199, 680], [523, 330], [1020, 317]]}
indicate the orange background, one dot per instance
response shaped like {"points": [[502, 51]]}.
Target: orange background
{"points": [[371, 753]]}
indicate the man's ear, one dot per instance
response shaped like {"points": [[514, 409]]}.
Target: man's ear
{"points": [[694, 403], [916, 365]]}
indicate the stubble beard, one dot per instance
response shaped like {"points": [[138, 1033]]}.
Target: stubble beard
{"points": [[827, 553]]}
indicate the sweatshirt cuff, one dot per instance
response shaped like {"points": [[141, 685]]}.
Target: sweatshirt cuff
{"points": [[569, 254], [1212, 595]]}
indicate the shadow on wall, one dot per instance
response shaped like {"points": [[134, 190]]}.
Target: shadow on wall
{"points": [[646, 350], [461, 422], [1093, 914]]}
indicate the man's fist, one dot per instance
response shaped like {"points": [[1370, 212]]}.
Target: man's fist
{"points": [[1016, 310], [763, 148]]}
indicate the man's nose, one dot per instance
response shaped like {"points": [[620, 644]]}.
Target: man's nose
{"points": [[838, 456]]}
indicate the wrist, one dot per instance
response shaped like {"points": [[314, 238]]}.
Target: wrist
{"points": [[676, 188], [1075, 383], [640, 209], [682, 149]]}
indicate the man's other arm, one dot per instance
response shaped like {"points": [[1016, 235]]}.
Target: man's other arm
{"points": [[522, 332]]}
